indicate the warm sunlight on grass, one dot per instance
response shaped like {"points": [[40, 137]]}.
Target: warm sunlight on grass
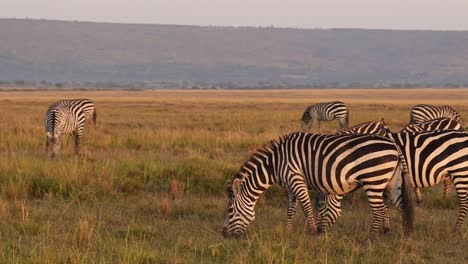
{"points": [[149, 184]]}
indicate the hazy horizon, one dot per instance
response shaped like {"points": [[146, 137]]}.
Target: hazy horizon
{"points": [[369, 14]]}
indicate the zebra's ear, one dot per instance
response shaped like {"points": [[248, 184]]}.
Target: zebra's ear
{"points": [[236, 187], [382, 121]]}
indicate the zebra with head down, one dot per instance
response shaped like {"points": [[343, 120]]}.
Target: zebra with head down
{"points": [[334, 164]]}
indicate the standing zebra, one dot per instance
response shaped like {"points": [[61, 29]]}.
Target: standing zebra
{"points": [[63, 119], [433, 156], [335, 164], [86, 105], [423, 112], [325, 112], [434, 125]]}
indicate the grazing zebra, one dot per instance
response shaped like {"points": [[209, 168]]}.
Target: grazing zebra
{"points": [[434, 125], [325, 112], [334, 164], [86, 105], [63, 119], [423, 112], [433, 156]]}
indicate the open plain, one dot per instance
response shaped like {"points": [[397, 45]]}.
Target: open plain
{"points": [[149, 185]]}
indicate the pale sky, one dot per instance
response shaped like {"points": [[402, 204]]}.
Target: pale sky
{"points": [[381, 14]]}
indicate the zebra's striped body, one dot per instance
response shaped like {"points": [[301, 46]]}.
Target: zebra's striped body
{"points": [[63, 119], [325, 112], [334, 164], [369, 128], [434, 125], [86, 105], [433, 156], [442, 123], [422, 112]]}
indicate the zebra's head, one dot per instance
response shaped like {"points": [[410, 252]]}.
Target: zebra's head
{"points": [[240, 210], [53, 140]]}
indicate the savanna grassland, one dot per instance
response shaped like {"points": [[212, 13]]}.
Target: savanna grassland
{"points": [[149, 184]]}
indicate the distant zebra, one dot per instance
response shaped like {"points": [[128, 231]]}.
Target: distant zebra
{"points": [[423, 112], [86, 105], [63, 119], [335, 164], [433, 156], [434, 125], [325, 112]]}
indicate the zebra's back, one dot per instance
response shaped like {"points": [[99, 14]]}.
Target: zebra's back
{"points": [[423, 112], [371, 127], [434, 125], [338, 164], [85, 105]]}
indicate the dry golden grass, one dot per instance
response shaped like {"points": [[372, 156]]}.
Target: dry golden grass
{"points": [[149, 185]]}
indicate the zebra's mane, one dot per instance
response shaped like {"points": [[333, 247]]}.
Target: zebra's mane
{"points": [[261, 155]]}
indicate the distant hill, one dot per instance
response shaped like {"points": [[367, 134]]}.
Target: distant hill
{"points": [[84, 52]]}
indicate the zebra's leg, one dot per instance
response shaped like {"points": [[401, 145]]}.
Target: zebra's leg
{"points": [[47, 146], [461, 183], [386, 224], [354, 198], [329, 212], [292, 207], [77, 142], [95, 118], [417, 192], [301, 192], [377, 204], [448, 187]]}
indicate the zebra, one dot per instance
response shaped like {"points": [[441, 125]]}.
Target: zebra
{"points": [[443, 123], [371, 127], [325, 112], [433, 156], [434, 125], [86, 105], [335, 164], [63, 119], [423, 112]]}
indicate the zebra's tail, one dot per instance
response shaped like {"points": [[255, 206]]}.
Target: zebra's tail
{"points": [[94, 117], [407, 204]]}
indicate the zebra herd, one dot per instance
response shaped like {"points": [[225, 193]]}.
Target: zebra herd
{"points": [[431, 149]]}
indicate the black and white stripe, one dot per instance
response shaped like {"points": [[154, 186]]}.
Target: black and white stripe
{"points": [[325, 112], [333, 164], [434, 125], [63, 119], [86, 105], [370, 128], [442, 123], [431, 157], [423, 112]]}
